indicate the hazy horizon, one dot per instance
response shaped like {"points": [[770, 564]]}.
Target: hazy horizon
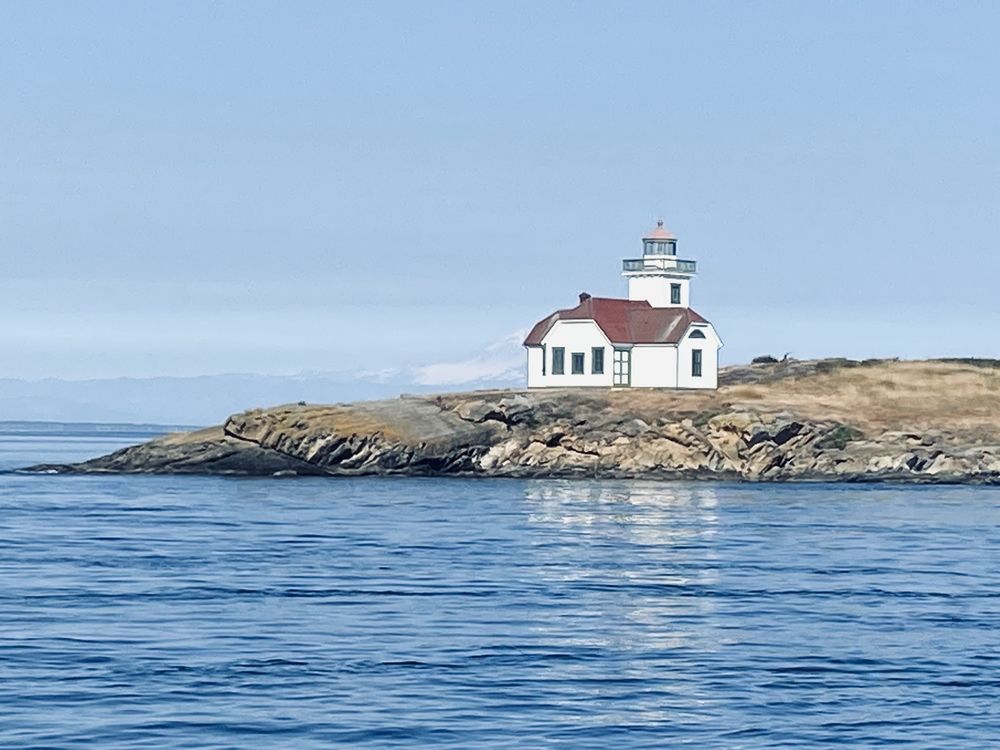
{"points": [[209, 399]]}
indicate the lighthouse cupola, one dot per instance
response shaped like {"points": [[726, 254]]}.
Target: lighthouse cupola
{"points": [[659, 276], [659, 242]]}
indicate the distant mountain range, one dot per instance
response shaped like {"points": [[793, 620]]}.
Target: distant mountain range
{"points": [[208, 399]]}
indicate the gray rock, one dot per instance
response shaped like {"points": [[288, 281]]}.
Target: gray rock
{"points": [[633, 428]]}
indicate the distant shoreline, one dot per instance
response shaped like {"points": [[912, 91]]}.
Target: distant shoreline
{"points": [[44, 428]]}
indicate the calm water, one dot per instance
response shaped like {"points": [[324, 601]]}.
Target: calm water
{"points": [[202, 613]]}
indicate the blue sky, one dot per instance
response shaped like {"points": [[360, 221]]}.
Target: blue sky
{"points": [[205, 187]]}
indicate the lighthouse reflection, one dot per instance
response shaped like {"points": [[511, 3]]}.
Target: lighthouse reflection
{"points": [[658, 512], [637, 559]]}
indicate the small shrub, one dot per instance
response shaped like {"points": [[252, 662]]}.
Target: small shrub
{"points": [[835, 363], [839, 437], [764, 359], [972, 361]]}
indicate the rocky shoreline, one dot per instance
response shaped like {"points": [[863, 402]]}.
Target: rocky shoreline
{"points": [[824, 420]]}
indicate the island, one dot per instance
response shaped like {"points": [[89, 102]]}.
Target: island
{"points": [[934, 421]]}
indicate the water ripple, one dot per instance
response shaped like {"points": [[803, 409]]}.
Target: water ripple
{"points": [[209, 613]]}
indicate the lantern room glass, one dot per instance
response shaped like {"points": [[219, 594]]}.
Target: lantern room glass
{"points": [[659, 247]]}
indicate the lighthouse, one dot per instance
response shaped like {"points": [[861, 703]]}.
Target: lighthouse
{"points": [[653, 339], [659, 277]]}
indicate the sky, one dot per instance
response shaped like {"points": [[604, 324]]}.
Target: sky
{"points": [[194, 188]]}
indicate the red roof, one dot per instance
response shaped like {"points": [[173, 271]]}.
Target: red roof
{"points": [[624, 321], [660, 233]]}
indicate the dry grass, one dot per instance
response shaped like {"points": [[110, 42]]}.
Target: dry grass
{"points": [[954, 397], [360, 421], [353, 419], [891, 395], [183, 438]]}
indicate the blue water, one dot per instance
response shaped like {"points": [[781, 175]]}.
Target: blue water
{"points": [[211, 613]]}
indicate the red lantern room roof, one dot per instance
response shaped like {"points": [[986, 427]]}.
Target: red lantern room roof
{"points": [[660, 233]]}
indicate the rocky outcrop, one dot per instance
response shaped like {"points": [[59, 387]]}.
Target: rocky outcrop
{"points": [[208, 451], [817, 422]]}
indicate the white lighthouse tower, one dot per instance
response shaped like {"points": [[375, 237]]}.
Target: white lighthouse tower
{"points": [[659, 277]]}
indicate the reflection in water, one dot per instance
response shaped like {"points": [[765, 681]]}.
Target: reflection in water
{"points": [[641, 503], [639, 555]]}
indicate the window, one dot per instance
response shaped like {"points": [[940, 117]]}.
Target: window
{"points": [[696, 363], [558, 360], [675, 294], [577, 363], [696, 334], [544, 357], [597, 360]]}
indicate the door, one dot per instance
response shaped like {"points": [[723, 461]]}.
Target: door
{"points": [[622, 367]]}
